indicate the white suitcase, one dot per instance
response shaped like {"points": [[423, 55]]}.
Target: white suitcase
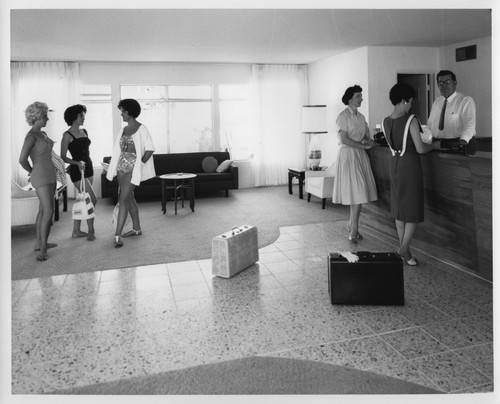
{"points": [[234, 251]]}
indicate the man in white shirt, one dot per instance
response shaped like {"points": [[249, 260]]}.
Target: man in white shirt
{"points": [[453, 115]]}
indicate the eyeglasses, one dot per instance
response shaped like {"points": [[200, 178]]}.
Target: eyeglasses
{"points": [[444, 82]]}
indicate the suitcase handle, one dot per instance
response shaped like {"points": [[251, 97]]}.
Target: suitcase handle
{"points": [[363, 254], [239, 228], [236, 229]]}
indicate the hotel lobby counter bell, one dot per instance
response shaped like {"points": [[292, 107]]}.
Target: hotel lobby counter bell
{"points": [[314, 123]]}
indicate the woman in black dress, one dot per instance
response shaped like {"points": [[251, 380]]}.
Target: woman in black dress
{"points": [[407, 184], [77, 141]]}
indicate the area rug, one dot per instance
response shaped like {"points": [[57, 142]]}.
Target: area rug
{"points": [[257, 375], [167, 237]]}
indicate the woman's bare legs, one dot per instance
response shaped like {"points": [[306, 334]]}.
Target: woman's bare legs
{"points": [[93, 198], [77, 223], [44, 219], [355, 211], [400, 227], [134, 214], [406, 230], [125, 199]]}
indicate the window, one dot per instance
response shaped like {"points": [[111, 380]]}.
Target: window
{"points": [[98, 120], [153, 111], [181, 119], [234, 121], [190, 119]]}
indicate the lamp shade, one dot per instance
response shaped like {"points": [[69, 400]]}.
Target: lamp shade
{"points": [[314, 119]]}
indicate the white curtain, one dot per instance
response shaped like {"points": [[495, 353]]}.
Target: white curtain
{"points": [[278, 93], [56, 84]]}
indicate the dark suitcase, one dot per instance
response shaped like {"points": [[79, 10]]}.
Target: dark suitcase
{"points": [[375, 279]]}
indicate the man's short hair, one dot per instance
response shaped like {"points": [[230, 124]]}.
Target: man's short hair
{"points": [[446, 73]]}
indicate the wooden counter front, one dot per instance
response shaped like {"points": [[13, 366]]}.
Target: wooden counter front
{"points": [[458, 208]]}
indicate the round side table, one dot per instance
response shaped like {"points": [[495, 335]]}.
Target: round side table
{"points": [[179, 183]]}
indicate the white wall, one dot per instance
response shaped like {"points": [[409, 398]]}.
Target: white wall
{"points": [[164, 73], [384, 65], [474, 78], [328, 80], [375, 69]]}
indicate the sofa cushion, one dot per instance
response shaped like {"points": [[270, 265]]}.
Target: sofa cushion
{"points": [[184, 162], [209, 164], [224, 166], [207, 177]]}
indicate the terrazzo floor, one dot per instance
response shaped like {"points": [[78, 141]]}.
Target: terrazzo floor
{"points": [[76, 330]]}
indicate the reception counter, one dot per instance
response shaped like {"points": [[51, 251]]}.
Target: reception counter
{"points": [[458, 208]]}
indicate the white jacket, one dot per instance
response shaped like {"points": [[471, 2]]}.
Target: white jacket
{"points": [[142, 171]]}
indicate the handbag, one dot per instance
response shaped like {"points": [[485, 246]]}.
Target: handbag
{"points": [[114, 216], [380, 139], [83, 208]]}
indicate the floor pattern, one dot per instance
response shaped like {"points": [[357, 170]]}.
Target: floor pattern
{"points": [[75, 330]]}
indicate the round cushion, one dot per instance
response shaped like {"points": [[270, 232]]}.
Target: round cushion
{"points": [[209, 164]]}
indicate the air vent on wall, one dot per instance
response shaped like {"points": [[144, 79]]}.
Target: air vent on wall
{"points": [[466, 53]]}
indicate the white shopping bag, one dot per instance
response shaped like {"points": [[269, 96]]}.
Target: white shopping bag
{"points": [[83, 208]]}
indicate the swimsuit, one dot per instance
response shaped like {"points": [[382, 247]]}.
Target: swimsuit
{"points": [[43, 172], [79, 149], [127, 158]]}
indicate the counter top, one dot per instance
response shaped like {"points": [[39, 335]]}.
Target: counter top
{"points": [[448, 154]]}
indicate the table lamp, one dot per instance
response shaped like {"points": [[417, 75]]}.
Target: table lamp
{"points": [[314, 123]]}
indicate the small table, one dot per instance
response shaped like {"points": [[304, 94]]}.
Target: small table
{"points": [[300, 174], [179, 182]]}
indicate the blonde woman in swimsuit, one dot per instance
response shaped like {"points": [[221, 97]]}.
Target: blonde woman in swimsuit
{"points": [[38, 147]]}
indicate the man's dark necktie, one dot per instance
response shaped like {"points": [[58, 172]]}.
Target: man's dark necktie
{"points": [[441, 119]]}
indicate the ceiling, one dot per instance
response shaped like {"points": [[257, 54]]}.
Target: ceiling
{"points": [[279, 36]]}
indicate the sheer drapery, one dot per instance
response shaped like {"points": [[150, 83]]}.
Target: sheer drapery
{"points": [[56, 84], [278, 93]]}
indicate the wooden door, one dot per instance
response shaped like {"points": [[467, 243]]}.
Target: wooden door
{"points": [[421, 103]]}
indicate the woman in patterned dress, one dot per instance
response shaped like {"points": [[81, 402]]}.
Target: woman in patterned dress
{"points": [[132, 163]]}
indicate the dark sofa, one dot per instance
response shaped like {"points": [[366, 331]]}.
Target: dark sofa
{"points": [[175, 163]]}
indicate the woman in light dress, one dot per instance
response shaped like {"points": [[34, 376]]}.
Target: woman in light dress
{"points": [[354, 183]]}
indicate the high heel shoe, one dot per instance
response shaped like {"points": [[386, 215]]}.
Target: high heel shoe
{"points": [[118, 242], [132, 232], [352, 239], [358, 236], [412, 261]]}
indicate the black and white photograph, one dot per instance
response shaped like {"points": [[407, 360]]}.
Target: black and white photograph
{"points": [[265, 201]]}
